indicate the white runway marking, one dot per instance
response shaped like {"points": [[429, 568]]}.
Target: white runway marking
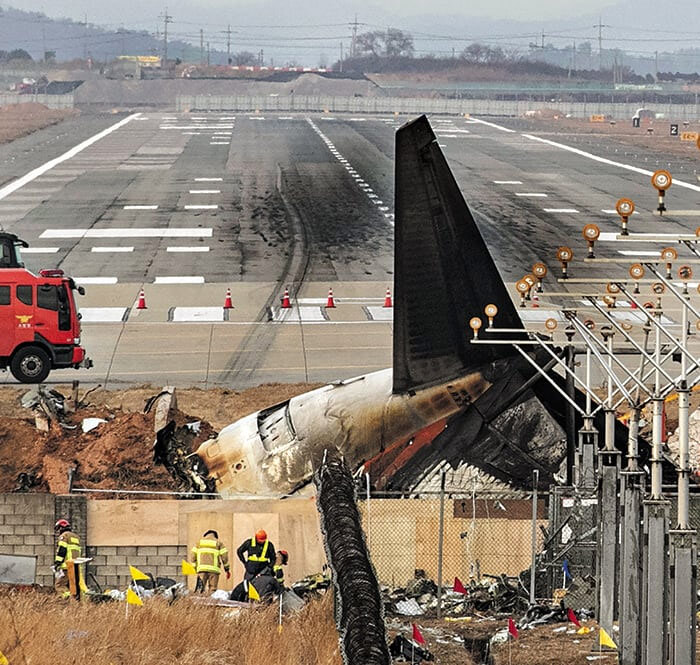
{"points": [[102, 314], [201, 314], [179, 280], [494, 125], [140, 207], [187, 249], [39, 250], [107, 250], [211, 206], [380, 313], [566, 210], [507, 182], [611, 236], [294, 314], [208, 179], [612, 211], [191, 133], [218, 143], [205, 191], [532, 194], [603, 160], [95, 280], [128, 233], [286, 117], [631, 252], [32, 175]]}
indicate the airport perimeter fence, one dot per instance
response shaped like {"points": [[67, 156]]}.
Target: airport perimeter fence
{"points": [[484, 105], [485, 534]]}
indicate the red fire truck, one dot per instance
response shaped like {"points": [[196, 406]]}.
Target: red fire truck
{"points": [[39, 320]]}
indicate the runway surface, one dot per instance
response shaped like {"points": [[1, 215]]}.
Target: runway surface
{"points": [[185, 206]]}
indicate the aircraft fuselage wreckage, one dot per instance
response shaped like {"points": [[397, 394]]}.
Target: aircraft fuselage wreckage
{"points": [[500, 418]]}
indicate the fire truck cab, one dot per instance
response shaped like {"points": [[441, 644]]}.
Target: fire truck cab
{"points": [[39, 320]]}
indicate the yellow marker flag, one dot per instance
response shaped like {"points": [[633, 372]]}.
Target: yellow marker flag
{"points": [[253, 592], [132, 598], [136, 574], [188, 568], [605, 640], [3, 660]]}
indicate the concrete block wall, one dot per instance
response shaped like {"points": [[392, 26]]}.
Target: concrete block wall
{"points": [[26, 528], [110, 564]]}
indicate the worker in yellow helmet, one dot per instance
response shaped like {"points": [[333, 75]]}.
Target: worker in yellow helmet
{"points": [[209, 556], [67, 549], [260, 554]]}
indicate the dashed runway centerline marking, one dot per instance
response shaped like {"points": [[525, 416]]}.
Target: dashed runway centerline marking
{"points": [[183, 279], [187, 249], [129, 233], [39, 250], [140, 207], [107, 250], [208, 179], [570, 211], [209, 206], [532, 194], [205, 191], [507, 182], [96, 280]]}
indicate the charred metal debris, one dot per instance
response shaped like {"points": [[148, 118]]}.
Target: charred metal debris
{"points": [[359, 605]]}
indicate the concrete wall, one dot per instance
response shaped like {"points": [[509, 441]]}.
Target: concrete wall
{"points": [[50, 101], [389, 105], [156, 535]]}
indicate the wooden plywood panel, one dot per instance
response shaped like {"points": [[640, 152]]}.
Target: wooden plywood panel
{"points": [[222, 523], [132, 523], [244, 527], [393, 551], [300, 535]]}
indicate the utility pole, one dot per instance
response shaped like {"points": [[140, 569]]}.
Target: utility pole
{"points": [[353, 43], [85, 37], [201, 46], [228, 44], [600, 27], [208, 55], [261, 57], [341, 56], [656, 66], [166, 19]]}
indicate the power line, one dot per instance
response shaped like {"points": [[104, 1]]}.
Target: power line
{"points": [[166, 19]]}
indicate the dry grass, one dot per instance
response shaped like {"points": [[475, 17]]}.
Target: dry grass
{"points": [[39, 629]]}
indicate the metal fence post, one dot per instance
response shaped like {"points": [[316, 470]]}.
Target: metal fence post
{"points": [[369, 521], [440, 544], [533, 565]]}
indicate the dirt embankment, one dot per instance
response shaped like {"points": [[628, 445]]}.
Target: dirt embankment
{"points": [[18, 120], [117, 454]]}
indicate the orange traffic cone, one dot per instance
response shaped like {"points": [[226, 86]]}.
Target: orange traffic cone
{"points": [[141, 304], [535, 300], [331, 301], [285, 300], [387, 299], [227, 302]]}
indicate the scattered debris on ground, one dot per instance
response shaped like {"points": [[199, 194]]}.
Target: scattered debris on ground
{"points": [[107, 438], [17, 120]]}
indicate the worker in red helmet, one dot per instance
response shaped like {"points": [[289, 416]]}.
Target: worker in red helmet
{"points": [[67, 549], [256, 554]]}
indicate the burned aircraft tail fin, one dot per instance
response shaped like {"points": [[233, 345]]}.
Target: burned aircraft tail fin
{"points": [[443, 272]]}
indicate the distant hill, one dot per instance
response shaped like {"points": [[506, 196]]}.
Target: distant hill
{"points": [[71, 40]]}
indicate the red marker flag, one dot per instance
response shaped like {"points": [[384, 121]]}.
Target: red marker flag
{"points": [[458, 587], [512, 628], [417, 637], [573, 618]]}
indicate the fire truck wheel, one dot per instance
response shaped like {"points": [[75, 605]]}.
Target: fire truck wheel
{"points": [[31, 364]]}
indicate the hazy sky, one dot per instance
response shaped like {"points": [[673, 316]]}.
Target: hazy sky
{"points": [[143, 12]]}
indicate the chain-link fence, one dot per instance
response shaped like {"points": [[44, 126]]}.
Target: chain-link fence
{"points": [[484, 534]]}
